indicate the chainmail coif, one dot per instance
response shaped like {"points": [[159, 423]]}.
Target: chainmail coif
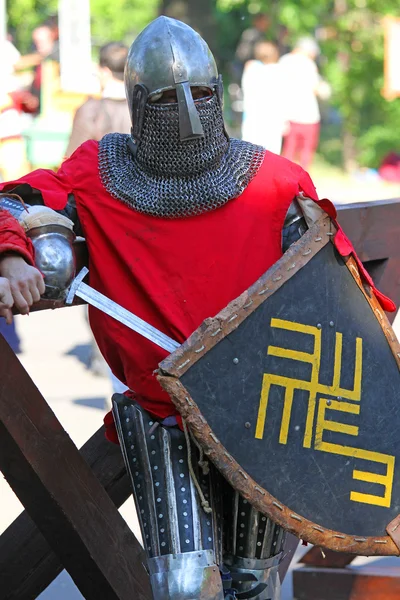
{"points": [[169, 178]]}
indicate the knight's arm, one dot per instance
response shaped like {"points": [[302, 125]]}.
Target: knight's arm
{"points": [[40, 235], [302, 213], [13, 239]]}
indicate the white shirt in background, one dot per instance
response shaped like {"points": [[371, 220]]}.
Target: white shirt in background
{"points": [[301, 79], [9, 58], [10, 121], [263, 105], [115, 90]]}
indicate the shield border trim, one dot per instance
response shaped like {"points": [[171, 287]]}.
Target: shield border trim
{"points": [[214, 330]]}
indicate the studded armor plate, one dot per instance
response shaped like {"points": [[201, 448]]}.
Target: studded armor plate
{"points": [[185, 545]]}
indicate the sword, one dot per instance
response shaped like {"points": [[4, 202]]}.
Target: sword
{"points": [[111, 308]]}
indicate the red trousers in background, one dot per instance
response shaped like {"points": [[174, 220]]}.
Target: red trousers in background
{"points": [[301, 142]]}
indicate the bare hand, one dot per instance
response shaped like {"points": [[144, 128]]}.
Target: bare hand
{"points": [[26, 282], [6, 300]]}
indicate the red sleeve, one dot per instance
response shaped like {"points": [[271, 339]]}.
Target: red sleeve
{"points": [[13, 238], [307, 186], [54, 188], [345, 248]]}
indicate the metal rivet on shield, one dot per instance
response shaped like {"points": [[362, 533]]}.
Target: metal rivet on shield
{"points": [[247, 425], [331, 323], [235, 361], [328, 402], [319, 326]]}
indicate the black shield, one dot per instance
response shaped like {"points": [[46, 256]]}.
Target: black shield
{"points": [[293, 391]]}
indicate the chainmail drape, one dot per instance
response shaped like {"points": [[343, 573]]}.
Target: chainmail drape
{"points": [[169, 178]]}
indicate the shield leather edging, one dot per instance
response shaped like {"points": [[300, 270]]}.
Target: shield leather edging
{"points": [[212, 331]]}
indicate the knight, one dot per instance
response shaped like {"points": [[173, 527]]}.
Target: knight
{"points": [[179, 220]]}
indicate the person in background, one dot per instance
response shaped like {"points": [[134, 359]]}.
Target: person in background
{"points": [[108, 114], [9, 60], [251, 37], [258, 32], [283, 40], [45, 40], [46, 45], [12, 164], [12, 144], [263, 99], [303, 87]]}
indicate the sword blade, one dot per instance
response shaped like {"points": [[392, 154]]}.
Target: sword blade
{"points": [[125, 317]]}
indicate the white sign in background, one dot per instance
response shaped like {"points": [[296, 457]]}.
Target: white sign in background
{"points": [[3, 21], [75, 45], [394, 54]]}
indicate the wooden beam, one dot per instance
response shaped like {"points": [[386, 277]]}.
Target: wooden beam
{"points": [[62, 495], [364, 583], [315, 557], [27, 562], [289, 550], [374, 229]]}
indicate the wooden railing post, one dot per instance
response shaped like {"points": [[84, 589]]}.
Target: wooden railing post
{"points": [[27, 562], [374, 229], [62, 495]]}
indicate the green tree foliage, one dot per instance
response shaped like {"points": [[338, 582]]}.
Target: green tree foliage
{"points": [[120, 19], [24, 16], [352, 61], [110, 19], [354, 67], [351, 42]]}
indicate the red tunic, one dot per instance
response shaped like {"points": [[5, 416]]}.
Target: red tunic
{"points": [[173, 273]]}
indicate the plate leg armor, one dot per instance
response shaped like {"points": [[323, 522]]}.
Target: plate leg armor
{"points": [[182, 541], [254, 546]]}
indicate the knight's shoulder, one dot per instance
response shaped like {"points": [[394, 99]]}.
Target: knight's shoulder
{"points": [[281, 164], [82, 162], [87, 149]]}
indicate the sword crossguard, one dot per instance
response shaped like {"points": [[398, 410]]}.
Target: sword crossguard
{"points": [[75, 285]]}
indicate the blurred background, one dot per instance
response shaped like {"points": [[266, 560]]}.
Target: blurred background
{"points": [[50, 51], [316, 80]]}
